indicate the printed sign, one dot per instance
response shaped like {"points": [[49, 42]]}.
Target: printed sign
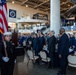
{"points": [[12, 13]]}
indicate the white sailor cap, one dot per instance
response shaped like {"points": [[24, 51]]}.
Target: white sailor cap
{"points": [[7, 33]]}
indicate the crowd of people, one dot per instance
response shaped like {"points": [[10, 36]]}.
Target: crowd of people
{"points": [[57, 48]]}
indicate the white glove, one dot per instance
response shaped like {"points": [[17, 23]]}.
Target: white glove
{"points": [[15, 61], [5, 59]]}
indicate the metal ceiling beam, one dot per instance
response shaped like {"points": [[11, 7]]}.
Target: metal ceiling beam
{"points": [[24, 2], [60, 4], [47, 9], [70, 9], [41, 4], [64, 3], [64, 9]]}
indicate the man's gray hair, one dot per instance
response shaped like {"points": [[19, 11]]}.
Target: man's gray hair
{"points": [[53, 32]]}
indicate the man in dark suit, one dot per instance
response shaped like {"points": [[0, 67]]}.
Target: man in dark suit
{"points": [[51, 47], [41, 40], [63, 51]]}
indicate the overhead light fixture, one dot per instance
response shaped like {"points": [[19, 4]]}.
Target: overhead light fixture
{"points": [[68, 5], [13, 2], [63, 3], [26, 5]]}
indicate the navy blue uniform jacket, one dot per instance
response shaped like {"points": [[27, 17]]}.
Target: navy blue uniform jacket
{"points": [[10, 51], [63, 45]]}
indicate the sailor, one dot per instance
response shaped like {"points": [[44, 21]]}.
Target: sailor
{"points": [[7, 55]]}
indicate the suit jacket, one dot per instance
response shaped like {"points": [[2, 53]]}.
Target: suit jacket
{"points": [[35, 43], [74, 44], [72, 38], [41, 42], [63, 45], [51, 43], [70, 42]]}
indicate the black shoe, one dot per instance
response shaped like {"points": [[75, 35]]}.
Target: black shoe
{"points": [[49, 67], [59, 74], [52, 67], [63, 74]]}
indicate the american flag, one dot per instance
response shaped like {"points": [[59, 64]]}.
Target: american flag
{"points": [[3, 16]]}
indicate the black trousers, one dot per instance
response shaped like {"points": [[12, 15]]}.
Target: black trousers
{"points": [[51, 55], [63, 64], [7, 68]]}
